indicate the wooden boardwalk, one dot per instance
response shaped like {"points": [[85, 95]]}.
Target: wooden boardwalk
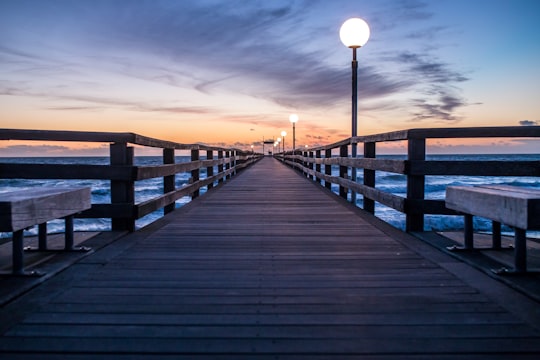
{"points": [[270, 267]]}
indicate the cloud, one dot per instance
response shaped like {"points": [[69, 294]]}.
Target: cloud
{"points": [[528, 123], [102, 103], [426, 34], [177, 109], [52, 150], [437, 82], [74, 108], [429, 69], [442, 110]]}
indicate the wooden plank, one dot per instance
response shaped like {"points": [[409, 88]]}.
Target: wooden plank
{"points": [[269, 331], [363, 344]]}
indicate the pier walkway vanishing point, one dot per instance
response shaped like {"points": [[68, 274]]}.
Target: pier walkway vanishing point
{"points": [[270, 266]]}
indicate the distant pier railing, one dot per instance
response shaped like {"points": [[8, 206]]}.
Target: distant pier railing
{"points": [[316, 163], [123, 174]]}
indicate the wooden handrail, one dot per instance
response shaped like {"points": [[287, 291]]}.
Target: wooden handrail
{"points": [[439, 133], [414, 166], [101, 137]]}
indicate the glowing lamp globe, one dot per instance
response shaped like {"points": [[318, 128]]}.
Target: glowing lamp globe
{"points": [[354, 33], [283, 133], [293, 118]]}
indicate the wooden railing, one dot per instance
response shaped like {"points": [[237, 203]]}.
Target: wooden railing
{"points": [[123, 174], [414, 166]]}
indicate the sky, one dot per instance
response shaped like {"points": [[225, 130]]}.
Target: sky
{"points": [[229, 72]]}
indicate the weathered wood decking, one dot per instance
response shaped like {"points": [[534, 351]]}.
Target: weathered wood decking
{"points": [[267, 267]]}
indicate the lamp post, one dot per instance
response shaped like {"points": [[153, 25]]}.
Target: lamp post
{"points": [[293, 118], [252, 149], [354, 33], [283, 134], [278, 142]]}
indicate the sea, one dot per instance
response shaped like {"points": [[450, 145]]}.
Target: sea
{"points": [[435, 188]]}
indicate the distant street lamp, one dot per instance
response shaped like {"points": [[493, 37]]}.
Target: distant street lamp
{"points": [[354, 33], [252, 149], [293, 118], [283, 134]]}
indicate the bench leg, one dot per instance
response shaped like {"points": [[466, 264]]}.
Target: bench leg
{"points": [[520, 251], [469, 237], [18, 253], [496, 236], [69, 232], [69, 237], [42, 237]]}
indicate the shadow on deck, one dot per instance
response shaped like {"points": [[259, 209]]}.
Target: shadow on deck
{"points": [[270, 266]]}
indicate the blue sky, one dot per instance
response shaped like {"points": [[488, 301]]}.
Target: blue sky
{"points": [[230, 72]]}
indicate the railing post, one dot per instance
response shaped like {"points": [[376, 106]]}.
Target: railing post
{"points": [[228, 163], [168, 181], [369, 176], [343, 153], [311, 165], [220, 166], [234, 156], [415, 185], [318, 166], [304, 163], [210, 169], [195, 174], [122, 192], [328, 168]]}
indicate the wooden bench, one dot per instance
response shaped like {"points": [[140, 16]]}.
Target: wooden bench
{"points": [[511, 205], [25, 208]]}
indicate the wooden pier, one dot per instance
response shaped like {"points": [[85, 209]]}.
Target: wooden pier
{"points": [[270, 265]]}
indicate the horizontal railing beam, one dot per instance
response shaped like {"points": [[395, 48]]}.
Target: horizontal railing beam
{"points": [[117, 210], [440, 133], [148, 172], [476, 168], [159, 202], [67, 171]]}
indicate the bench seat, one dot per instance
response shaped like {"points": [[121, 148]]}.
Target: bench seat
{"points": [[25, 208], [514, 206]]}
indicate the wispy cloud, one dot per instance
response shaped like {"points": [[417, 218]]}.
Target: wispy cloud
{"points": [[443, 109], [436, 81], [529, 122]]}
